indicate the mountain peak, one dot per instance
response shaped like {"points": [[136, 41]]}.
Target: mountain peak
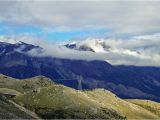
{"points": [[93, 45], [10, 40]]}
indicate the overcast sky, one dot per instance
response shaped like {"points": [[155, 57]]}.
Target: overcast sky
{"points": [[64, 19], [130, 27]]}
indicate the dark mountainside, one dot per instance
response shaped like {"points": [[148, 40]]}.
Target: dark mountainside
{"points": [[124, 81]]}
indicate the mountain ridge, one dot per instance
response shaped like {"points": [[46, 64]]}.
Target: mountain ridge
{"points": [[124, 81]]}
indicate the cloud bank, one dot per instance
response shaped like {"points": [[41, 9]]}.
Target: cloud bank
{"points": [[140, 50], [120, 17], [128, 20]]}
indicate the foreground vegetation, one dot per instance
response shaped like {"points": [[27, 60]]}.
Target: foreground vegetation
{"points": [[9, 111], [45, 99]]}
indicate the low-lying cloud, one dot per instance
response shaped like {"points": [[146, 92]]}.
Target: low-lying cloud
{"points": [[140, 50]]}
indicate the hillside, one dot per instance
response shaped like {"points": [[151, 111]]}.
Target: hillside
{"points": [[25, 85], [129, 82], [131, 111], [50, 100], [9, 110], [63, 102], [151, 106]]}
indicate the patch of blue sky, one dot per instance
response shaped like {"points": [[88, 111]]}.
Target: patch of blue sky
{"points": [[62, 36], [39, 32], [7, 29], [3, 29]]}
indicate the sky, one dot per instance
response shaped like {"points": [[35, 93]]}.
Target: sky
{"points": [[60, 20], [130, 27]]}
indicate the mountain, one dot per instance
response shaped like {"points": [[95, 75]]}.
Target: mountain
{"points": [[124, 81], [41, 97], [96, 45]]}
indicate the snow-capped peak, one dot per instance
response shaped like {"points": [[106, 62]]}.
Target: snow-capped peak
{"points": [[94, 45], [10, 40], [21, 40]]}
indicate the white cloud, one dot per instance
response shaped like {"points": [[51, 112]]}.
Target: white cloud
{"points": [[141, 50], [122, 17]]}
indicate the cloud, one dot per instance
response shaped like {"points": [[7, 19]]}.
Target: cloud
{"points": [[119, 57], [140, 50], [121, 17]]}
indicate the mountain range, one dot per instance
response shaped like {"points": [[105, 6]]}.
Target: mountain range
{"points": [[126, 81]]}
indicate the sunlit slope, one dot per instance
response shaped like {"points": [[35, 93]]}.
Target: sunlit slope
{"points": [[108, 99], [151, 106], [67, 100], [50, 100], [59, 101], [24, 85], [9, 91]]}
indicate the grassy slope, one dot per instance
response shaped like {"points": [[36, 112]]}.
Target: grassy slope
{"points": [[98, 101], [151, 106], [50, 100], [9, 91], [69, 102], [10, 111], [25, 85], [131, 111]]}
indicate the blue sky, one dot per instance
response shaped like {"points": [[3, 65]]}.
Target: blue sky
{"points": [[61, 20], [39, 32], [65, 20]]}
